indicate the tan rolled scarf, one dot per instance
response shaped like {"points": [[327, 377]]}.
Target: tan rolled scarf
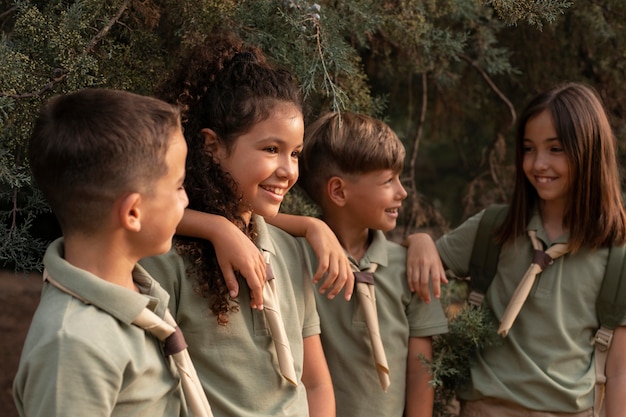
{"points": [[170, 334], [540, 261], [167, 331], [277, 327], [364, 281]]}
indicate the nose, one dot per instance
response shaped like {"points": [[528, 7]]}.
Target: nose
{"points": [[288, 169], [185, 199], [540, 161], [401, 193]]}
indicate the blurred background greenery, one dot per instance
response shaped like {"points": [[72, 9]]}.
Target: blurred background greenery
{"points": [[447, 75]]}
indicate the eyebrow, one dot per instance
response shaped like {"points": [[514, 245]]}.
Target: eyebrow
{"points": [[279, 141], [554, 139]]}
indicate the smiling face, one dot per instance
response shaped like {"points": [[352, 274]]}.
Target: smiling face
{"points": [[264, 161], [545, 163], [374, 199]]}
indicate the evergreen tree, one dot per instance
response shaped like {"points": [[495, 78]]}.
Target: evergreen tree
{"points": [[447, 75], [347, 55]]}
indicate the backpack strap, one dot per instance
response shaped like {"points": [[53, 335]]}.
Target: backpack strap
{"points": [[611, 310], [485, 253], [610, 304]]}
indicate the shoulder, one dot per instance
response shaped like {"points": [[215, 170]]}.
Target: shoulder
{"points": [[283, 241], [396, 252], [278, 233], [455, 247], [63, 326]]}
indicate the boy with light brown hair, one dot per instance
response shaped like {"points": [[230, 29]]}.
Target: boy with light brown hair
{"points": [[350, 167]]}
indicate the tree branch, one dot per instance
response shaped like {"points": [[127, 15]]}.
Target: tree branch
{"points": [[414, 152], [61, 74], [105, 30], [493, 86], [7, 12], [496, 150]]}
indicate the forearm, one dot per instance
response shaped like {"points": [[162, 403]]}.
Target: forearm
{"points": [[319, 401], [333, 264], [419, 393], [234, 250], [203, 225], [292, 224], [615, 399], [316, 379]]}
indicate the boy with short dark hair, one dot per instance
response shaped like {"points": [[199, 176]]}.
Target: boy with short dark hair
{"points": [[350, 166], [111, 165]]}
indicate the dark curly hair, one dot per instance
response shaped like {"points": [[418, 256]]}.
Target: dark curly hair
{"points": [[228, 87]]}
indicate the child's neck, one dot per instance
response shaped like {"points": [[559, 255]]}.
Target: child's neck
{"points": [[552, 219], [99, 257], [354, 240]]}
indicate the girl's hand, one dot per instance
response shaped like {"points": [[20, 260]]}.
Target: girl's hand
{"points": [[332, 260], [234, 251], [424, 266]]}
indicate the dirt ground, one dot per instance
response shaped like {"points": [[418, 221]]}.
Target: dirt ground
{"points": [[19, 296]]}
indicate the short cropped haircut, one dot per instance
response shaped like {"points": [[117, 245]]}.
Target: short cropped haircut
{"points": [[339, 144], [93, 146]]}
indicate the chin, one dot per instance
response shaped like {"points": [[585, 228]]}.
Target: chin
{"points": [[268, 212]]}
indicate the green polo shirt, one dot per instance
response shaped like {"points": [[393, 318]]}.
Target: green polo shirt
{"points": [[401, 314], [546, 361], [88, 359], [237, 363]]}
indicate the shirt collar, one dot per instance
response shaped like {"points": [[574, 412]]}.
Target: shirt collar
{"points": [[121, 303], [376, 252], [535, 223]]}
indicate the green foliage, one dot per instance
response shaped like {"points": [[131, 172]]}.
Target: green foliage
{"points": [[470, 329], [53, 48], [298, 202], [367, 56], [532, 11], [447, 75]]}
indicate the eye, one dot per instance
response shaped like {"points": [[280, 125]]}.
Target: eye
{"points": [[527, 148], [296, 154], [271, 149], [556, 149]]}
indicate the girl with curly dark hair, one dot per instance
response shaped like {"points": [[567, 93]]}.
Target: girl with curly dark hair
{"points": [[244, 128]]}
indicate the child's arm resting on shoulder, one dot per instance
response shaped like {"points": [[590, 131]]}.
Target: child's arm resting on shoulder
{"points": [[316, 379], [234, 250], [424, 265], [331, 257], [615, 398], [420, 395]]}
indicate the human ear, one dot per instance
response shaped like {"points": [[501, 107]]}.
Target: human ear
{"points": [[211, 141], [336, 190], [129, 212]]}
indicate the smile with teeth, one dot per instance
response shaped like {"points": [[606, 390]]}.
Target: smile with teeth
{"points": [[274, 190], [544, 180], [392, 210]]}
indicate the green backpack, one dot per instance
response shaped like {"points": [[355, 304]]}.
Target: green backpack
{"points": [[610, 304]]}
